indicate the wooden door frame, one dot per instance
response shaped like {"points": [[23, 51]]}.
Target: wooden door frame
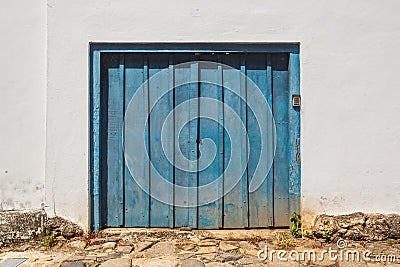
{"points": [[96, 49]]}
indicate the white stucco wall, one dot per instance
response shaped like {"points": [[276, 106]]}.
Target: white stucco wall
{"points": [[349, 82], [22, 104]]}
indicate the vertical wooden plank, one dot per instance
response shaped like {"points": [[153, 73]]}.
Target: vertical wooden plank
{"points": [[186, 141], [281, 161], [171, 82], [210, 215], [294, 135], [193, 135], [115, 196], [270, 146], [95, 155], [235, 201], [261, 200], [105, 63], [160, 213], [136, 199]]}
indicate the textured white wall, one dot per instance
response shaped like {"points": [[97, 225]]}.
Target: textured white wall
{"points": [[22, 104], [350, 59]]}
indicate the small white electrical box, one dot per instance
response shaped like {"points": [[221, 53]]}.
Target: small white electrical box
{"points": [[296, 101]]}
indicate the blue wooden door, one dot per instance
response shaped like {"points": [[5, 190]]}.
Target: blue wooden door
{"points": [[178, 122]]}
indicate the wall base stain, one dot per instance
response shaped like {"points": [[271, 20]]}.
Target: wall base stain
{"points": [[358, 226], [23, 226]]}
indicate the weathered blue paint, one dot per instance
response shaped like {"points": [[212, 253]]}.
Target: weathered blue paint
{"points": [[261, 200], [270, 177], [136, 200], [182, 139], [235, 201], [210, 215], [193, 141], [276, 74], [294, 135], [95, 139], [187, 139], [171, 82], [280, 111], [115, 163], [160, 213]]}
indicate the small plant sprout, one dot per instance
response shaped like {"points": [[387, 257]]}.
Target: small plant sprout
{"points": [[49, 240], [295, 228]]}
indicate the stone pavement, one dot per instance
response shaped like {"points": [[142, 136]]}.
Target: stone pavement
{"points": [[197, 248]]}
